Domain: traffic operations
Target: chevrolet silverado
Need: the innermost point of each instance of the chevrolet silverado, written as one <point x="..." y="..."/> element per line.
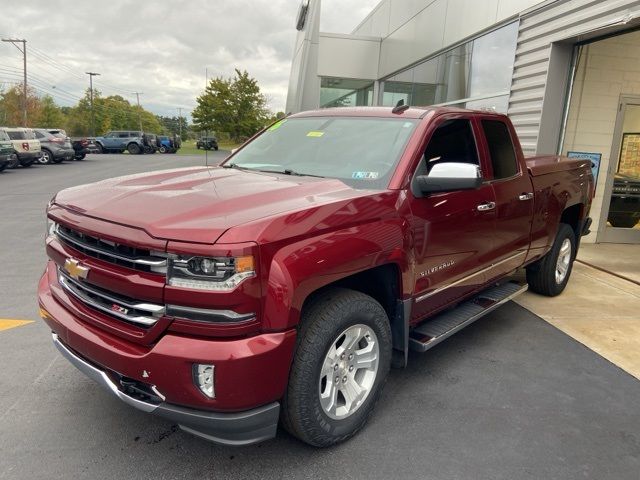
<point x="281" y="286"/>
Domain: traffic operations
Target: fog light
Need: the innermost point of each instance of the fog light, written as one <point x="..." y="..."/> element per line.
<point x="203" y="376"/>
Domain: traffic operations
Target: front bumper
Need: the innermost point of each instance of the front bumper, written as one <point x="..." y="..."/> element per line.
<point x="241" y="428"/>
<point x="251" y="372"/>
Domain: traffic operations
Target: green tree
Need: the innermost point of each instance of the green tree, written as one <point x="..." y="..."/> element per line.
<point x="11" y="107"/>
<point x="51" y="115"/>
<point x="234" y="106"/>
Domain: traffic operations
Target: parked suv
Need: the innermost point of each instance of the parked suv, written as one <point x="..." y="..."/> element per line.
<point x="56" y="147"/>
<point x="207" y="143"/>
<point x="169" y="144"/>
<point x="6" y="151"/>
<point x="25" y="146"/>
<point x="119" y="141"/>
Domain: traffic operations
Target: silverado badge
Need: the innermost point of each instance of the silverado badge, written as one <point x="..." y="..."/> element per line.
<point x="74" y="269"/>
<point x="119" y="309"/>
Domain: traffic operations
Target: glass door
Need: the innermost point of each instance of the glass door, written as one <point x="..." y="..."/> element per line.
<point x="620" y="222"/>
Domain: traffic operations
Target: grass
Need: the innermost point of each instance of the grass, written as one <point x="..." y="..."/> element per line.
<point x="189" y="147"/>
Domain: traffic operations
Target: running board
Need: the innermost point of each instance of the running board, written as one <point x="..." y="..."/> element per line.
<point x="443" y="325"/>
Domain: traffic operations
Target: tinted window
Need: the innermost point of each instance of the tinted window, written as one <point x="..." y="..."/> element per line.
<point x="123" y="135"/>
<point x="452" y="142"/>
<point x="503" y="157"/>
<point x="4" y="136"/>
<point x="17" y="135"/>
<point x="39" y="135"/>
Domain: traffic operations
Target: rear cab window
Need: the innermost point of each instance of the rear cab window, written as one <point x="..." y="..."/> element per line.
<point x="503" y="156"/>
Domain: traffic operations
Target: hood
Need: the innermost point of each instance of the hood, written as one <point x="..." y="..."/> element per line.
<point x="199" y="204"/>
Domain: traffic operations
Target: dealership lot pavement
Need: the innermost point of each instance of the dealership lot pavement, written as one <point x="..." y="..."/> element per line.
<point x="510" y="397"/>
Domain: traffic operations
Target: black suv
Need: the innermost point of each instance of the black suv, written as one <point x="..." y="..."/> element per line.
<point x="207" y="143"/>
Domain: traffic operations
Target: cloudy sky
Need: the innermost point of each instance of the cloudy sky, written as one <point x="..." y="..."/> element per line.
<point x="159" y="48"/>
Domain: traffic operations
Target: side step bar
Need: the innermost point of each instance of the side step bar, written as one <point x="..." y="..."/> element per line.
<point x="443" y="325"/>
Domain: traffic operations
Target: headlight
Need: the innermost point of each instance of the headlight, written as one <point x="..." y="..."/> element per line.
<point x="51" y="228"/>
<point x="210" y="273"/>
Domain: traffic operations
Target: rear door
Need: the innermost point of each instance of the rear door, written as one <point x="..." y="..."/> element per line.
<point x="513" y="192"/>
<point x="452" y="231"/>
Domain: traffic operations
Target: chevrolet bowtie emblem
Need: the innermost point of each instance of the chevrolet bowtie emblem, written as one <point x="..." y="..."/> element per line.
<point x="74" y="269"/>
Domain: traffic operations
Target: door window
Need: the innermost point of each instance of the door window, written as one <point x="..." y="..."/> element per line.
<point x="452" y="142"/>
<point x="503" y="156"/>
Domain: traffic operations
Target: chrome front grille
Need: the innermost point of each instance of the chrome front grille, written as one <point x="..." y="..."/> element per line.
<point x="118" y="306"/>
<point x="123" y="255"/>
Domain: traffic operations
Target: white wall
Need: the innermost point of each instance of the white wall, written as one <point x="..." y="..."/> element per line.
<point x="414" y="29"/>
<point x="348" y="56"/>
<point x="608" y="69"/>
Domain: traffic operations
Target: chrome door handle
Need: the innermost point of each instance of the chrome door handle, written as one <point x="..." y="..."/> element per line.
<point x="525" y="196"/>
<point x="483" y="207"/>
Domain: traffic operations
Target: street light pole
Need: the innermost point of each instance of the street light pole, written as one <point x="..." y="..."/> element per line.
<point x="180" y="121"/>
<point x="139" y="117"/>
<point x="93" y="119"/>
<point x="24" y="83"/>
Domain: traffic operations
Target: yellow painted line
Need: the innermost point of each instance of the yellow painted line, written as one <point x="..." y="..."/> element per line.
<point x="7" y="323"/>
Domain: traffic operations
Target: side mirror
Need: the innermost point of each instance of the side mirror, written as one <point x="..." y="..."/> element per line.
<point x="449" y="177"/>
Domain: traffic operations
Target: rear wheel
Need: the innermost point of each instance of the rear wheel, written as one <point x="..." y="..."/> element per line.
<point x="549" y="275"/>
<point x="134" y="149"/>
<point x="80" y="156"/>
<point x="163" y="149"/>
<point x="14" y="162"/>
<point x="100" y="148"/>
<point x="341" y="362"/>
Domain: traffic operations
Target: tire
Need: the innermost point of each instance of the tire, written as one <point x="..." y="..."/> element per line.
<point x="215" y="148"/>
<point x="3" y="166"/>
<point x="162" y="149"/>
<point x="15" y="162"/>
<point x="134" y="149"/>
<point x="27" y="164"/>
<point x="80" y="156"/>
<point x="549" y="275"/>
<point x="622" y="222"/>
<point x="46" y="158"/>
<point x="100" y="148"/>
<point x="198" y="147"/>
<point x="327" y="323"/>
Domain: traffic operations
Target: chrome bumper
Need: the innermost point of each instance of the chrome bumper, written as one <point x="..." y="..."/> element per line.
<point x="240" y="428"/>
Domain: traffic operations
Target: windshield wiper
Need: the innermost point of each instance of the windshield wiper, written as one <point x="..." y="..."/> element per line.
<point x="234" y="165"/>
<point x="288" y="171"/>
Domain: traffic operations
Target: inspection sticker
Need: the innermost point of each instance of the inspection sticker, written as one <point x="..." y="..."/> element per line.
<point x="364" y="175"/>
<point x="315" y="134"/>
<point x="277" y="125"/>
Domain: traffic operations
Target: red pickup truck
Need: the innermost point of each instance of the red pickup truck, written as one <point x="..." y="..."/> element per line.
<point x="283" y="284"/>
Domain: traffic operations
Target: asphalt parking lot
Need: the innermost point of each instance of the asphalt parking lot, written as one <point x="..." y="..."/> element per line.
<point x="510" y="397"/>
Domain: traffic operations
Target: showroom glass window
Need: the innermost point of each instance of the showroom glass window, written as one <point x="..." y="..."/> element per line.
<point x="345" y="92"/>
<point x="477" y="72"/>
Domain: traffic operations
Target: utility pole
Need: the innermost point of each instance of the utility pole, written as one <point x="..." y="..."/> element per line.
<point x="14" y="41"/>
<point x="139" y="117"/>
<point x="180" y="121"/>
<point x="93" y="117"/>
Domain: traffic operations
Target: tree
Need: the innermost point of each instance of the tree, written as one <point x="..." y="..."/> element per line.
<point x="50" y="114"/>
<point x="231" y="105"/>
<point x="11" y="111"/>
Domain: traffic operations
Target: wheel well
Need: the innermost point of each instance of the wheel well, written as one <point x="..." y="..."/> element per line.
<point x="571" y="216"/>
<point x="381" y="283"/>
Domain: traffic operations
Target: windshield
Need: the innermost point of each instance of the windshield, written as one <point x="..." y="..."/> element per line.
<point x="361" y="151"/>
<point x="17" y="135"/>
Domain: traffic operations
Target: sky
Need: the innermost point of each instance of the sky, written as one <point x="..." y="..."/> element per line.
<point x="161" y="49"/>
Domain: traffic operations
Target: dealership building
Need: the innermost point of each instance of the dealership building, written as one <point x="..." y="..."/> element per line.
<point x="567" y="72"/>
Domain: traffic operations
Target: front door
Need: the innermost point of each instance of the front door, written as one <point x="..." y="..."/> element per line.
<point x="620" y="220"/>
<point x="452" y="231"/>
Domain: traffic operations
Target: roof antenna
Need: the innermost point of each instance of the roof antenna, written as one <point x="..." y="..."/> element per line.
<point x="400" y="107"/>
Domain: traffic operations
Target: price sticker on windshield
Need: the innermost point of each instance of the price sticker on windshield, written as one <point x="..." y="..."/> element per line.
<point x="364" y="175"/>
<point x="277" y="125"/>
<point x="315" y="134"/>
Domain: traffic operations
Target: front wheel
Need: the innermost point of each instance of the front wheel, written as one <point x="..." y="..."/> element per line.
<point x="100" y="148"/>
<point x="134" y="149"/>
<point x="341" y="362"/>
<point x="549" y="275"/>
<point x="80" y="156"/>
<point x="163" y="149"/>
<point x="46" y="158"/>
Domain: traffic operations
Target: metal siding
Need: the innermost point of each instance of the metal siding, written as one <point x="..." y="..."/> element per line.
<point x="538" y="30"/>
